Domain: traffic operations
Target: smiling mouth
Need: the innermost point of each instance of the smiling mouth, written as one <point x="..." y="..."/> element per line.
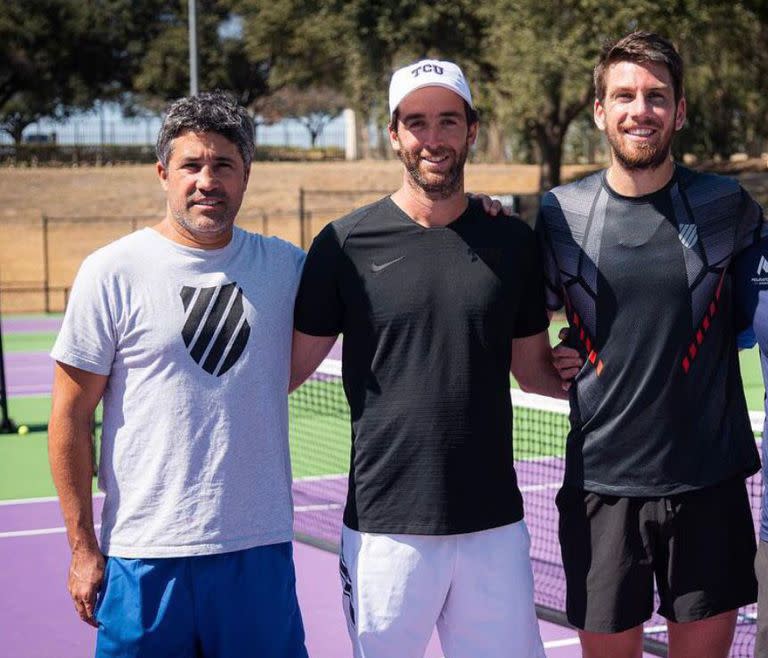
<point x="640" y="133"/>
<point x="435" y="160"/>
<point x="205" y="203"/>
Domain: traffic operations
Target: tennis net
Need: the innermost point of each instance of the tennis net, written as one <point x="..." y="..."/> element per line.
<point x="320" y="447"/>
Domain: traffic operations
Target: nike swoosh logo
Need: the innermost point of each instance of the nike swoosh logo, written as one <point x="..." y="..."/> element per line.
<point x="383" y="266"/>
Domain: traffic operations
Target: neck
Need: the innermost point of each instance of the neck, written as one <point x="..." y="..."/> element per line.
<point x="639" y="182"/>
<point x="175" y="232"/>
<point x="426" y="210"/>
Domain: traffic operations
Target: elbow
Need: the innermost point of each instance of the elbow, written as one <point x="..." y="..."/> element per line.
<point x="526" y="382"/>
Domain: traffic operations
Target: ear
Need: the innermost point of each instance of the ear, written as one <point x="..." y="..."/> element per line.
<point x="472" y="132"/>
<point x="680" y="114"/>
<point x="599" y="115"/>
<point x="247" y="174"/>
<point x="394" y="140"/>
<point x="162" y="174"/>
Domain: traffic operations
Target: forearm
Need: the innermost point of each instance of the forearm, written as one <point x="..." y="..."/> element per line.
<point x="533" y="368"/>
<point x="70" y="455"/>
<point x="307" y="353"/>
<point x="544" y="380"/>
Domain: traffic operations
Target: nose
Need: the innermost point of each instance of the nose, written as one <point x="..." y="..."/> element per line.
<point x="641" y="104"/>
<point x="433" y="137"/>
<point x="207" y="179"/>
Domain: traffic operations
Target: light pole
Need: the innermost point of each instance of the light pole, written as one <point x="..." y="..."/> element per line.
<point x="193" y="86"/>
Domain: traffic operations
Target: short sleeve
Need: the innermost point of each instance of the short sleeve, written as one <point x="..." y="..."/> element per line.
<point x="552" y="281"/>
<point x="87" y="339"/>
<point x="532" y="313"/>
<point x="319" y="308"/>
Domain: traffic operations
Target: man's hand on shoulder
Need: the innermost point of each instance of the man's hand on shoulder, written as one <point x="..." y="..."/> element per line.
<point x="86" y="573"/>
<point x="491" y="206"/>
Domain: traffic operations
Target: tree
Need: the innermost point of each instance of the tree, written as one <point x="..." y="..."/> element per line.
<point x="314" y="107"/>
<point x="161" y="72"/>
<point x="374" y="37"/>
<point x="58" y="55"/>
<point x="726" y="70"/>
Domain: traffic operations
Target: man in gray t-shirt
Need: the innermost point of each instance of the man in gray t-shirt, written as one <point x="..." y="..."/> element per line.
<point x="175" y="330"/>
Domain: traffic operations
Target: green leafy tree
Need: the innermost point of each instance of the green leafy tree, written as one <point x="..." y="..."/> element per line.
<point x="58" y="55"/>
<point x="314" y="107"/>
<point x="544" y="56"/>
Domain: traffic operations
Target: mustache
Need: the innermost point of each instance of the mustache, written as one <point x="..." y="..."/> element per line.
<point x="196" y="198"/>
<point x="649" y="123"/>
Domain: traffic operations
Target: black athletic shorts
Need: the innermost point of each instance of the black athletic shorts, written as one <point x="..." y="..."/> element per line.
<point x="700" y="546"/>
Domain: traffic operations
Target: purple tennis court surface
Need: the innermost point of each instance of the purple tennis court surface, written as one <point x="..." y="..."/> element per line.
<point x="27" y="325"/>
<point x="39" y="619"/>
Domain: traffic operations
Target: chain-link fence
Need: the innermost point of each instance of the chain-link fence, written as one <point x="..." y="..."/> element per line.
<point x="40" y="257"/>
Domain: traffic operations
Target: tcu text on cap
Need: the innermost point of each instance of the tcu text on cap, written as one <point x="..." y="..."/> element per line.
<point x="427" y="68"/>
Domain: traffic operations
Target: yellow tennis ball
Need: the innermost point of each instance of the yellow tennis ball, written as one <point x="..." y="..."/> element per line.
<point x="23" y="429"/>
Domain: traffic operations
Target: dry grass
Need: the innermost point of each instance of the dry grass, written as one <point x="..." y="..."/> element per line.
<point x="134" y="190"/>
<point x="133" y="193"/>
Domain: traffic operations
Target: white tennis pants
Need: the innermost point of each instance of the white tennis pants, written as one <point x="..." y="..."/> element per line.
<point x="476" y="587"/>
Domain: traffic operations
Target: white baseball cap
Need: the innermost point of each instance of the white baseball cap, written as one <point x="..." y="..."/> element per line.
<point x="427" y="73"/>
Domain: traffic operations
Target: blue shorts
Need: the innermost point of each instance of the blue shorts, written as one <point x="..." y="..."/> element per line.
<point x="231" y="605"/>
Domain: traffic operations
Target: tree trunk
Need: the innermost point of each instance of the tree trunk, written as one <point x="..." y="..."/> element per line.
<point x="549" y="139"/>
<point x="363" y="141"/>
<point x="384" y="150"/>
<point x="494" y="151"/>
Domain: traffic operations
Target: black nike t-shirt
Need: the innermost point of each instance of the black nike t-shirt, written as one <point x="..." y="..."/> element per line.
<point x="658" y="407"/>
<point x="428" y="317"/>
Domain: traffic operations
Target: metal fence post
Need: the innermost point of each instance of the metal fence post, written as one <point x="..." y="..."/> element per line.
<point x="46" y="266"/>
<point x="302" y="220"/>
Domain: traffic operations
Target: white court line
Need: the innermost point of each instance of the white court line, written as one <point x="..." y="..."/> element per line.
<point x="19" y="391"/>
<point x="43" y="499"/>
<point x="38" y="531"/>
<point x="317" y="508"/>
<point x="557" y="644"/>
<point x="320" y="478"/>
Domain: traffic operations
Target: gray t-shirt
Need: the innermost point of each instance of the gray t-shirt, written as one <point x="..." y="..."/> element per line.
<point x="196" y="344"/>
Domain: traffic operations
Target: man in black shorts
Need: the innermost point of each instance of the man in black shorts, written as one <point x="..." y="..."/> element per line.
<point x="660" y="442"/>
<point x="436" y="301"/>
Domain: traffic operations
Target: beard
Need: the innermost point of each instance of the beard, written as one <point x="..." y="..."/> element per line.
<point x="436" y="186"/>
<point x="635" y="157"/>
<point x="213" y="223"/>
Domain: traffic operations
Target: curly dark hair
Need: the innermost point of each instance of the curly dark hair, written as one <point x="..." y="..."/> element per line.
<point x="215" y="112"/>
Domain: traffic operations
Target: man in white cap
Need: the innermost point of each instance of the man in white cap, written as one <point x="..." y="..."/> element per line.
<point x="437" y="301"/>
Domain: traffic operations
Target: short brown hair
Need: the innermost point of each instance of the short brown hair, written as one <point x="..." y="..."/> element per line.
<point x="640" y="47"/>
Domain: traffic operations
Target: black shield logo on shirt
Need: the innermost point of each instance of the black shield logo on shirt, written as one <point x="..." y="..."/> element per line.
<point x="215" y="331"/>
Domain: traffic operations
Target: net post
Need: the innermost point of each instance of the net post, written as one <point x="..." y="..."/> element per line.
<point x="7" y="426"/>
